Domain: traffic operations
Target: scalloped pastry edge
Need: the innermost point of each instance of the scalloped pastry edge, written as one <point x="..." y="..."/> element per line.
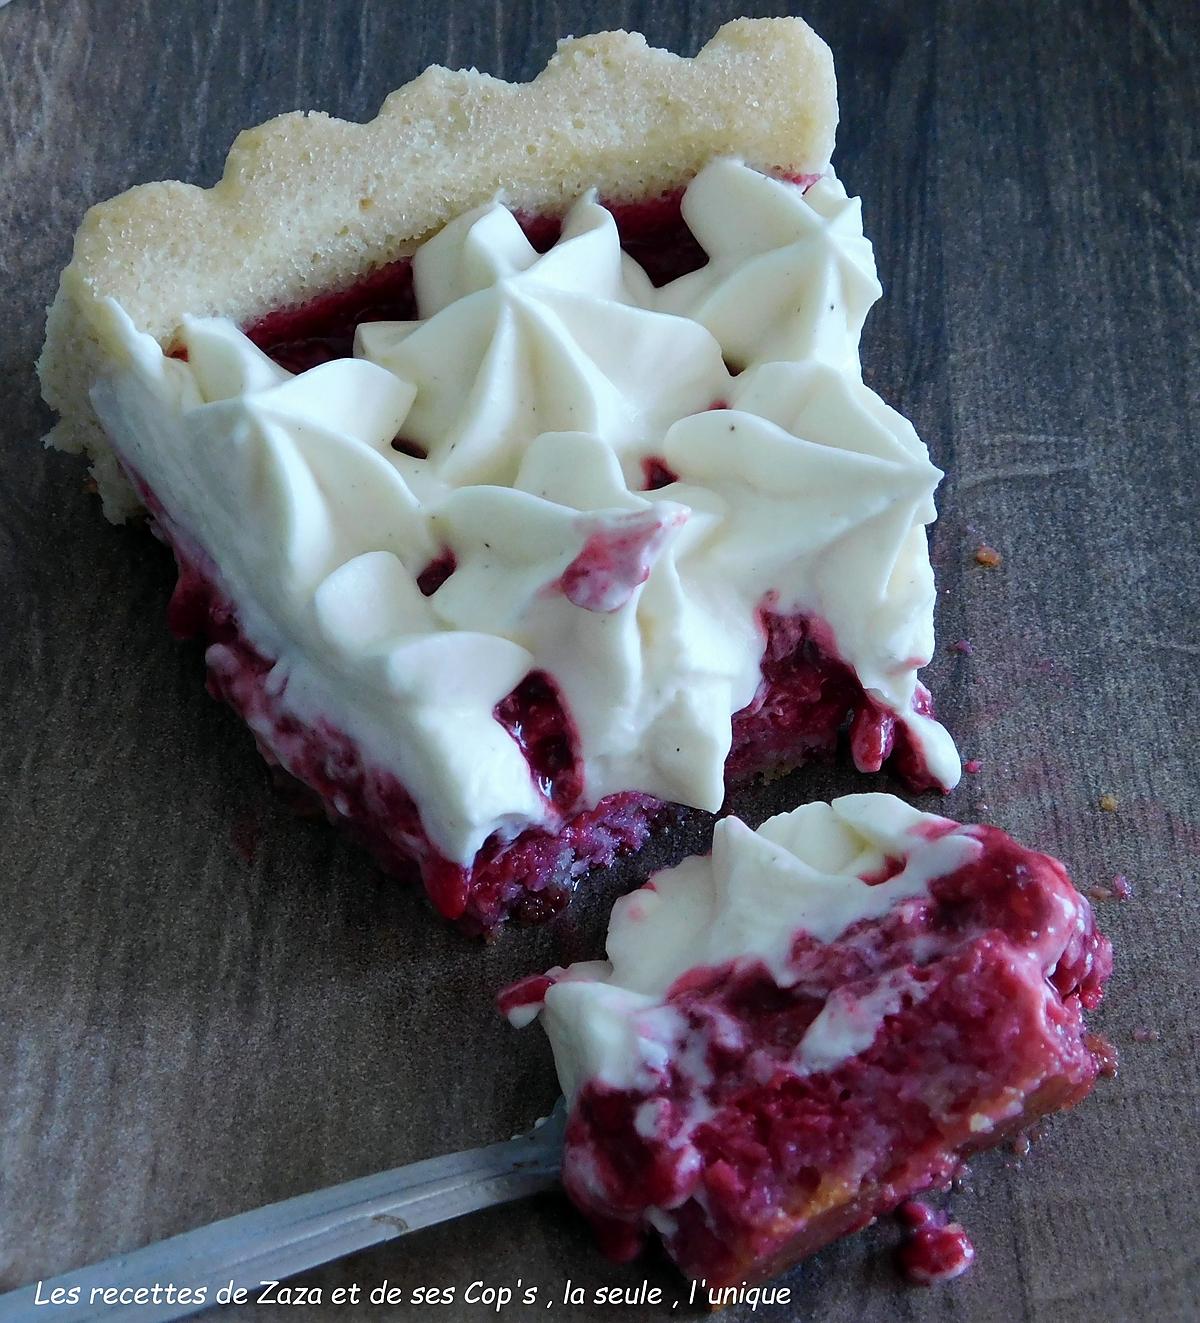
<point x="307" y="203"/>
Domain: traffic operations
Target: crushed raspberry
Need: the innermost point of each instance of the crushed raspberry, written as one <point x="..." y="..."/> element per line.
<point x="915" y="1214"/>
<point x="652" y="232"/>
<point x="526" y="880"/>
<point x="806" y="696"/>
<point x="437" y="572"/>
<point x="448" y="886"/>
<point x="533" y="714"/>
<point x="323" y="329"/>
<point x="890" y="867"/>
<point x="615" y="561"/>
<point x="655" y="235"/>
<point x="936" y="1254"/>
<point x="528" y="992"/>
<point x="760" y="1164"/>
<point x="657" y="473"/>
<point x="934" y="830"/>
<point x="872" y="734"/>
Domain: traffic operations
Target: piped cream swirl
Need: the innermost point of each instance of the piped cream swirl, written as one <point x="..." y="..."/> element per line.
<point x="611" y="1021"/>
<point x="537" y="384"/>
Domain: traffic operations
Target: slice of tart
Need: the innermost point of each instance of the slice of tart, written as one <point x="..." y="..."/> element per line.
<point x="515" y="455"/>
<point x="819" y="1020"/>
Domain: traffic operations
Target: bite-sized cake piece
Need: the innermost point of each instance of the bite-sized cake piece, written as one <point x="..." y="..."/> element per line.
<point x="819" y="1020"/>
<point x="520" y="506"/>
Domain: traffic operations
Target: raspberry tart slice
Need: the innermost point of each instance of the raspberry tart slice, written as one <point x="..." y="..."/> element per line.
<point x="804" y="1029"/>
<point x="515" y="455"/>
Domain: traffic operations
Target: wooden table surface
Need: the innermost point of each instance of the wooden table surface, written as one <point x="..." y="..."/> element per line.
<point x="210" y="1004"/>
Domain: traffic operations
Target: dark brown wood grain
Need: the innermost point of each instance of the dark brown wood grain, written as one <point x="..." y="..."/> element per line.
<point x="209" y="1004"/>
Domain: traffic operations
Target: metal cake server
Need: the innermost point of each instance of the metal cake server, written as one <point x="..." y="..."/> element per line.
<point x="280" y="1240"/>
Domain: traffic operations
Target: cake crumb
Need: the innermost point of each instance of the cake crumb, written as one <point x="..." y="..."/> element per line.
<point x="1122" y="888"/>
<point x="964" y="647"/>
<point x="987" y="556"/>
<point x="1144" y="1034"/>
<point x="972" y="766"/>
<point x="1108" y="802"/>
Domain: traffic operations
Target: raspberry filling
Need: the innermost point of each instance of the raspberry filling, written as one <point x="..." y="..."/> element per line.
<point x="527" y="879"/>
<point x="805" y="699"/>
<point x="657" y="473"/>
<point x="746" y="1162"/>
<point x="614" y="562"/>
<point x="653" y="233"/>
<point x="935" y="1249"/>
<point x="533" y="715"/>
<point x="807" y="696"/>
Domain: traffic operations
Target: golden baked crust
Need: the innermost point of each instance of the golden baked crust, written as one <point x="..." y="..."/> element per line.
<point x="307" y="203"/>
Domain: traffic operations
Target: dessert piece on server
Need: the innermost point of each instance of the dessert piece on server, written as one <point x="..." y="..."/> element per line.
<point x="517" y="461"/>
<point x="816" y="1022"/>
